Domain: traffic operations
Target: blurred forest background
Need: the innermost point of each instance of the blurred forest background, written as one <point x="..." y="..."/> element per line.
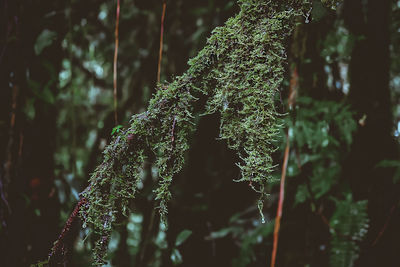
<point x="56" y="116"/>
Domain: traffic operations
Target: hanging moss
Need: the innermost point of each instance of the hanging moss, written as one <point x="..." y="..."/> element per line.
<point x="240" y="70"/>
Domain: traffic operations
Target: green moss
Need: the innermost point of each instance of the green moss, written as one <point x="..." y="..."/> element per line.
<point x="240" y="70"/>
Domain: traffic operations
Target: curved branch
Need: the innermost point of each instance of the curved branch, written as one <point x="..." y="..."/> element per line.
<point x="239" y="71"/>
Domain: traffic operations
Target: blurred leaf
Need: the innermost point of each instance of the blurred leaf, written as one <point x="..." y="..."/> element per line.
<point x="48" y="96"/>
<point x="29" y="108"/>
<point x="391" y="164"/>
<point x="388" y="163"/>
<point x="37" y="212"/>
<point x="176" y="257"/>
<point x="229" y="5"/>
<point x="182" y="236"/>
<point x="302" y="194"/>
<point x="223" y="232"/>
<point x="45" y="39"/>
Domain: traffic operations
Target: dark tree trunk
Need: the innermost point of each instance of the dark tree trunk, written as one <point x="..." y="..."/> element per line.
<point x="373" y="142"/>
<point x="32" y="223"/>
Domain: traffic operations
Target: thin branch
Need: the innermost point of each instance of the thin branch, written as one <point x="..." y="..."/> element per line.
<point x="292" y="96"/>
<point x="64" y="242"/>
<point x="115" y="63"/>
<point x="280" y="205"/>
<point x="384" y="226"/>
<point x="161" y="41"/>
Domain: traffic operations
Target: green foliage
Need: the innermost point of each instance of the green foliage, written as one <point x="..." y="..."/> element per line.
<point x="320" y="133"/>
<point x="248" y="237"/>
<point x="249" y="240"/>
<point x="240" y="69"/>
<point x="339" y="44"/>
<point x="349" y="225"/>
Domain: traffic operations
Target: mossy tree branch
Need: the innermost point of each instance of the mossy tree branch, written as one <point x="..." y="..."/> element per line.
<point x="239" y="70"/>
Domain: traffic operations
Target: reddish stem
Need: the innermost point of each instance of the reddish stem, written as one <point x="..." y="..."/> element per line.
<point x="280" y="204"/>
<point x="161" y="41"/>
<point x="64" y="242"/>
<point x="384" y="226"/>
<point x="291" y="102"/>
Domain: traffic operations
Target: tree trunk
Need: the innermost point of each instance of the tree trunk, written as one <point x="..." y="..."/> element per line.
<point x="32" y="223"/>
<point x="373" y="142"/>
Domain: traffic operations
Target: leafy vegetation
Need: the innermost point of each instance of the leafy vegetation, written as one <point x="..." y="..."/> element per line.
<point x="349" y="225"/>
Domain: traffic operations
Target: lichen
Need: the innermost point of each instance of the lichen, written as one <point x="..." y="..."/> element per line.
<point x="240" y="69"/>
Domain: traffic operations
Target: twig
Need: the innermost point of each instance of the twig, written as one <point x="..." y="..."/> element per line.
<point x="10" y="145"/>
<point x="280" y="205"/>
<point x="64" y="242"/>
<point x="161" y="41"/>
<point x="173" y="130"/>
<point x="384" y="226"/>
<point x="8" y="165"/>
<point x="292" y="95"/>
<point x="115" y="63"/>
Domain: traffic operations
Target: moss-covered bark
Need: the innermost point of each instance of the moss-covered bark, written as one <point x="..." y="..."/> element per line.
<point x="239" y="70"/>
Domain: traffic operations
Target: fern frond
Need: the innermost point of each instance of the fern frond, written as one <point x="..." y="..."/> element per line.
<point x="350" y="225"/>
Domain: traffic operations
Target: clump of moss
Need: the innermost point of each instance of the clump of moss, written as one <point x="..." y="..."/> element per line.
<point x="240" y="70"/>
